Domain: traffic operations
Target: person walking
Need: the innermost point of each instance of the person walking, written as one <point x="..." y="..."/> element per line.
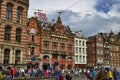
<point x="8" y="75"/>
<point x="115" y="74"/>
<point x="101" y="75"/>
<point x="110" y="74"/>
<point x="61" y="77"/>
<point x="92" y="74"/>
<point x="88" y="74"/>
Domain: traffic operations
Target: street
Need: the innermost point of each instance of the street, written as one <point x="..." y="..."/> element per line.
<point x="81" y="77"/>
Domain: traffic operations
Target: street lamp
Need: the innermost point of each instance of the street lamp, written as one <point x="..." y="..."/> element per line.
<point x="32" y="34"/>
<point x="31" y="48"/>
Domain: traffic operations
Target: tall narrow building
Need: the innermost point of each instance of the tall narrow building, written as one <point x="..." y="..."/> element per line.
<point x="13" y="34"/>
<point x="95" y="51"/>
<point x="80" y="52"/>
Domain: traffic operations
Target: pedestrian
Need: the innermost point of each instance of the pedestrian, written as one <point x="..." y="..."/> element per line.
<point x="115" y="74"/>
<point x="61" y="77"/>
<point x="67" y="76"/>
<point x="101" y="75"/>
<point x="91" y="74"/>
<point x="110" y="74"/>
<point x="14" y="71"/>
<point x="8" y="75"/>
<point x="47" y="73"/>
<point x="88" y="74"/>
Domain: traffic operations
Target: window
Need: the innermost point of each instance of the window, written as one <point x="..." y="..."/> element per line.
<point x="69" y="48"/>
<point x="76" y="58"/>
<point x="62" y="47"/>
<point x="83" y="50"/>
<point x="7" y="33"/>
<point x="19" y="14"/>
<point x="84" y="59"/>
<point x="54" y="45"/>
<point x="32" y="38"/>
<point x="80" y="59"/>
<point x="99" y="51"/>
<point x="83" y="43"/>
<point x="79" y="50"/>
<point x="76" y="42"/>
<point x="46" y="45"/>
<point x="9" y="11"/>
<point x="17" y="57"/>
<point x="76" y="50"/>
<point x="79" y="43"/>
<point x="6" y="56"/>
<point x="32" y="51"/>
<point x="18" y="35"/>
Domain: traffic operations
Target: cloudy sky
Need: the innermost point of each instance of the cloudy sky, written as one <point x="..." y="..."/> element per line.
<point x="89" y="16"/>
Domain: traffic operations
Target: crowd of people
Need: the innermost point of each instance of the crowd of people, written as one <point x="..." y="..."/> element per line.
<point x="103" y="74"/>
<point x="9" y="73"/>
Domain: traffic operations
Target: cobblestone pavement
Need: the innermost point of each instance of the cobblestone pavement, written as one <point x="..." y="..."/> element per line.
<point x="81" y="77"/>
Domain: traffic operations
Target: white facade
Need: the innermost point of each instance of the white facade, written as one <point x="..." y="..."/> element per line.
<point x="80" y="49"/>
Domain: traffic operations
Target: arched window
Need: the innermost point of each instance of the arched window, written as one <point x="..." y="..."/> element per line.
<point x="19" y="14"/>
<point x="6" y="56"/>
<point x="9" y="11"/>
<point x="18" y="35"/>
<point x="7" y="33"/>
<point x="17" y="56"/>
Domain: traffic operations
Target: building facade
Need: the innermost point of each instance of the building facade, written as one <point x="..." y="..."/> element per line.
<point x="95" y="51"/>
<point x="103" y="50"/>
<point x="13" y="35"/>
<point x="80" y="51"/>
<point x="53" y="43"/>
<point x="114" y="49"/>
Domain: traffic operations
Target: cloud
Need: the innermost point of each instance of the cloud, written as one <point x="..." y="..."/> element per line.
<point x="91" y="17"/>
<point x="104" y="5"/>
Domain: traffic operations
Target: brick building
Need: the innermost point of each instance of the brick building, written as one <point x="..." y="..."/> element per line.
<point x="95" y="51"/>
<point x="13" y="35"/>
<point x="53" y="43"/>
<point x="103" y="50"/>
<point x="114" y="49"/>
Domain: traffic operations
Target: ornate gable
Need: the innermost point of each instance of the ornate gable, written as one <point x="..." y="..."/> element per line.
<point x="32" y="25"/>
<point x="59" y="28"/>
<point x="111" y="36"/>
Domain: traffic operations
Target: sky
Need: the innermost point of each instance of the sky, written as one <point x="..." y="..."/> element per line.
<point x="89" y="16"/>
